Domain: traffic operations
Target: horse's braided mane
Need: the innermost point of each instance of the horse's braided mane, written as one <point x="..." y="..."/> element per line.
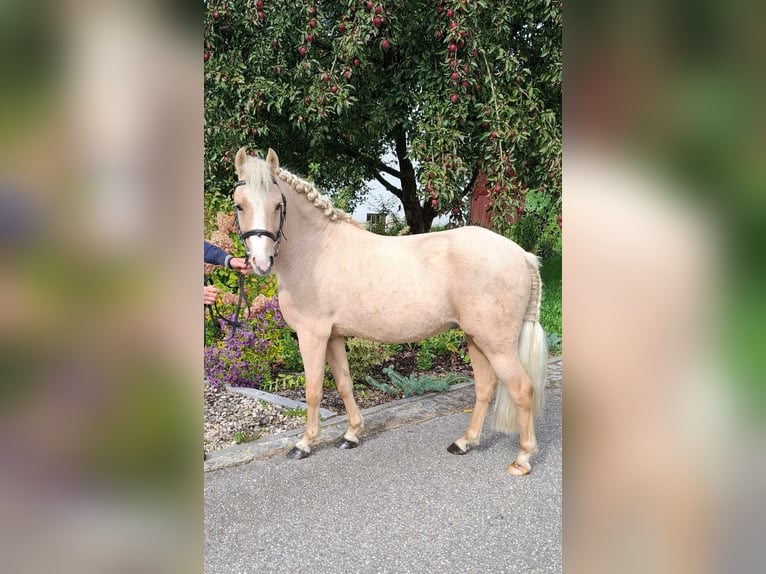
<point x="312" y="194"/>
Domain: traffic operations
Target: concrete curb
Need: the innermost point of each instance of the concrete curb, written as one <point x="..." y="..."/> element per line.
<point x="278" y="400"/>
<point x="376" y="419"/>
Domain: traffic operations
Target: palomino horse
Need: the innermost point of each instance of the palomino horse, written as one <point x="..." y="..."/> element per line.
<point x="336" y="280"/>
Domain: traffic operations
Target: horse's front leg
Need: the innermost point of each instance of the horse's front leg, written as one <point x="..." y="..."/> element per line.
<point x="313" y="349"/>
<point x="336" y="356"/>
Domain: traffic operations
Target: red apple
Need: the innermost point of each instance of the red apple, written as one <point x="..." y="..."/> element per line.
<point x="312" y="23"/>
<point x="302" y="50"/>
<point x="455" y="76"/>
<point x="376" y="22"/>
<point x="334" y="89"/>
<point x="454" y="98"/>
<point x="385" y="44"/>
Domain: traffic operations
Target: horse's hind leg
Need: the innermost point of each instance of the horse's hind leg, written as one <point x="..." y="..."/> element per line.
<point x="313" y="352"/>
<point x="486" y="380"/>
<point x="517" y="383"/>
<point x="336" y="356"/>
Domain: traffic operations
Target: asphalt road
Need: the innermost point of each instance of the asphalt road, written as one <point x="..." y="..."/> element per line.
<point x="400" y="503"/>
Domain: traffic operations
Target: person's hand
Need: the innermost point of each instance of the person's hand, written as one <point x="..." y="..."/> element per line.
<point x="210" y="295"/>
<point x="239" y="264"/>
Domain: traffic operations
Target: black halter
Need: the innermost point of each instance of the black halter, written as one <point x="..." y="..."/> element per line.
<point x="276" y="238"/>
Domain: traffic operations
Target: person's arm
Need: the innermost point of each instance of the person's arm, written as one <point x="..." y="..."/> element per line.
<point x="215" y="255"/>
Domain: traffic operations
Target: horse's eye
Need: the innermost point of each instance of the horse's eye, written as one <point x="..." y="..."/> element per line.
<point x="238" y="206"/>
<point x="274" y="181"/>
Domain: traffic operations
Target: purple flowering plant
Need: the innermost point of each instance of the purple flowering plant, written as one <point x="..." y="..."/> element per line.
<point x="254" y="352"/>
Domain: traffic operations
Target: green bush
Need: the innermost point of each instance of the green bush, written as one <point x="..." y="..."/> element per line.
<point x="364" y="355"/>
<point x="441" y="345"/>
<point x="414" y="384"/>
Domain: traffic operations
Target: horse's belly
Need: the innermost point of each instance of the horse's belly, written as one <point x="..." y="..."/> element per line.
<point x="396" y="326"/>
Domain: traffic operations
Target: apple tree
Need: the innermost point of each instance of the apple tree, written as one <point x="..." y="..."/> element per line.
<point x="424" y="97"/>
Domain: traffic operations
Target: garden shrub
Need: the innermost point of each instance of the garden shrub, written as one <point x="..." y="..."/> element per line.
<point x="414" y="384"/>
<point x="248" y="355"/>
<point x="364" y="355"/>
<point x="441" y="345"/>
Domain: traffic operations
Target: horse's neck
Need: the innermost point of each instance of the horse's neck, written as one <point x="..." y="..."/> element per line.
<point x="306" y="231"/>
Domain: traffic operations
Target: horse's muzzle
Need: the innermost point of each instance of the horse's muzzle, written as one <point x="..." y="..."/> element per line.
<point x="259" y="269"/>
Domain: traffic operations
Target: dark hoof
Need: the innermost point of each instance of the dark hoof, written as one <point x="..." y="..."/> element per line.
<point x="297" y="454"/>
<point x="455" y="449"/>
<point x="345" y="443"/>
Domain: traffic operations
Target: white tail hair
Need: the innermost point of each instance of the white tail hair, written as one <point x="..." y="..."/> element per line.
<point x="533" y="354"/>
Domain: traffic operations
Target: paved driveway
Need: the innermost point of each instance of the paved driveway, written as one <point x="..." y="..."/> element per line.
<point x="399" y="503"/>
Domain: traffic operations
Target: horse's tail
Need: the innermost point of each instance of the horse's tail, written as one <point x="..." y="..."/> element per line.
<point x="533" y="353"/>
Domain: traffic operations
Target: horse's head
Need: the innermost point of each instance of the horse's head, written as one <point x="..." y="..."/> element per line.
<point x="261" y="208"/>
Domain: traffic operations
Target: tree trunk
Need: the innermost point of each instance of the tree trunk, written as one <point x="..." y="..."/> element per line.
<point x="418" y="217"/>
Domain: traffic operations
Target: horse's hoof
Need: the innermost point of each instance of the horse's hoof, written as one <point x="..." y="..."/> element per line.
<point x="455" y="449"/>
<point x="297" y="454"/>
<point x="344" y="443"/>
<point x="517" y="469"/>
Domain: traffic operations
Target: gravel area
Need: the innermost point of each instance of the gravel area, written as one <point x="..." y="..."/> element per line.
<point x="228" y="414"/>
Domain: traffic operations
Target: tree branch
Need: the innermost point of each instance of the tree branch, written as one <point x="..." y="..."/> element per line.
<point x="375" y="164"/>
<point x="389" y="186"/>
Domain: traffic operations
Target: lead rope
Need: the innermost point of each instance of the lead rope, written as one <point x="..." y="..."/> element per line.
<point x="215" y="314"/>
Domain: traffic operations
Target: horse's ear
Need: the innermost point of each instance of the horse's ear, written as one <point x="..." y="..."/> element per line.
<point x="272" y="160"/>
<point x="240" y="158"/>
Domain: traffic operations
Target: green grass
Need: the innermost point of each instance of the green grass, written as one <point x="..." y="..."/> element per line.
<point x="550" y="308"/>
<point x="242" y="437"/>
<point x="296" y="411"/>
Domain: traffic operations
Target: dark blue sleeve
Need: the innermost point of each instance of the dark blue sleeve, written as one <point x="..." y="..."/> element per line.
<point x="214" y="254"/>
